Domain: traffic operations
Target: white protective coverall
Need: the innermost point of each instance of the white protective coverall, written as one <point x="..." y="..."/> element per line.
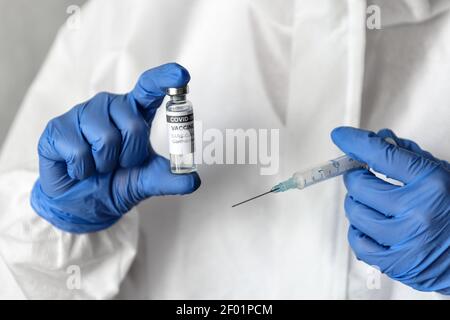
<point x="303" y="67"/>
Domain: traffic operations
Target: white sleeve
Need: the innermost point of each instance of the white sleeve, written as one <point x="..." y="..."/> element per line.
<point x="46" y="263"/>
<point x="37" y="260"/>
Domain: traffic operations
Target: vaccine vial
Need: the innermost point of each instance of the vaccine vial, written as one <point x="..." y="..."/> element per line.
<point x="180" y="122"/>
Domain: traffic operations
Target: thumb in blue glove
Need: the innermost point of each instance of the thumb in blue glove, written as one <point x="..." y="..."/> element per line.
<point x="96" y="161"/>
<point x="403" y="230"/>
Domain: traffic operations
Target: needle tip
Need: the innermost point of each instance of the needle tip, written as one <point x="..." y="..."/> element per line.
<point x="260" y="195"/>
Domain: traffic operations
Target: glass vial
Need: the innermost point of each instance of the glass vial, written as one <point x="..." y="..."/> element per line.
<point x="180" y="122"/>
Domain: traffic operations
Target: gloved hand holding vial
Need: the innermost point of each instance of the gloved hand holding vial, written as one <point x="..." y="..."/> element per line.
<point x="96" y="161"/>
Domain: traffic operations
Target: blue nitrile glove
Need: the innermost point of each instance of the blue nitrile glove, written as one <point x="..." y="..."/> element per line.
<point x="403" y="230"/>
<point x="96" y="162"/>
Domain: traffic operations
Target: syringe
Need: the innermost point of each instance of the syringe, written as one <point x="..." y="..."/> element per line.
<point x="303" y="179"/>
<point x="327" y="170"/>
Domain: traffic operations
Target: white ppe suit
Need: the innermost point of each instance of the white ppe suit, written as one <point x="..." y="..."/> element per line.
<point x="303" y="67"/>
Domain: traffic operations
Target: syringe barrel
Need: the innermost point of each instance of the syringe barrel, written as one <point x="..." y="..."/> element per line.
<point x="327" y="170"/>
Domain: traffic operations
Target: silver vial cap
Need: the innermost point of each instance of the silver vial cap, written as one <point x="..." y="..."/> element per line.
<point x="177" y="91"/>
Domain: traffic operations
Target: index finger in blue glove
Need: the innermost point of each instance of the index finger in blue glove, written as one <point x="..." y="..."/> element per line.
<point x="151" y="87"/>
<point x="383" y="157"/>
<point x="410" y="145"/>
<point x="405" y="143"/>
<point x="134" y="112"/>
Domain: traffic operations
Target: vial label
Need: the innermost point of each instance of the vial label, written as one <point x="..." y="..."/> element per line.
<point x="181" y="132"/>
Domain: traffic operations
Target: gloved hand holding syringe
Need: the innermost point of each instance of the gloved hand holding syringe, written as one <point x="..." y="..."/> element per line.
<point x="309" y="177"/>
<point x="398" y="213"/>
